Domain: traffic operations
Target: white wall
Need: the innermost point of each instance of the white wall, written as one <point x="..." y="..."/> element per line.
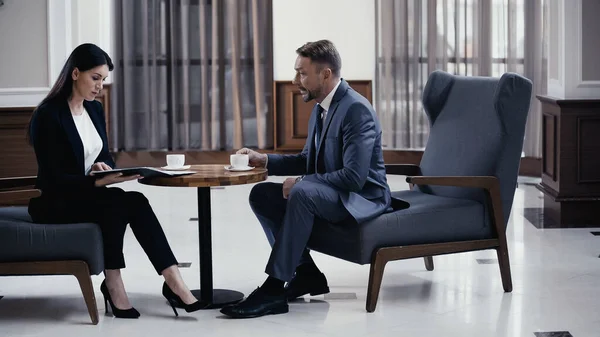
<point x="349" y="24"/>
<point x="24" y="61"/>
<point x="569" y="54"/>
<point x="92" y="23"/>
<point x="35" y="42"/>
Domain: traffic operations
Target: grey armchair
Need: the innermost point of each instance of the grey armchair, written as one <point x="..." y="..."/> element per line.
<point x="463" y="188"/>
<point x="28" y="248"/>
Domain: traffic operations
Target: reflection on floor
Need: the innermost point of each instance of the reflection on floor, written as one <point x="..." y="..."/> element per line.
<point x="556" y="278"/>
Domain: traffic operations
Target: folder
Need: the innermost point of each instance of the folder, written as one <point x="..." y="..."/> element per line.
<point x="145" y="172"/>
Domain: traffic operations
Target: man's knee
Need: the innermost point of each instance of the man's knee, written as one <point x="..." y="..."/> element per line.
<point x="256" y="194"/>
<point x="302" y="193"/>
<point x="262" y="192"/>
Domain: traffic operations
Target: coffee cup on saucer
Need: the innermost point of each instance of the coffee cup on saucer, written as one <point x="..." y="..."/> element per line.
<point x="239" y="161"/>
<point x="175" y="161"/>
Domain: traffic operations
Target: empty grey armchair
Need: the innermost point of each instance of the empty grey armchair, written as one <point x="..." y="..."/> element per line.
<point x="463" y="188"/>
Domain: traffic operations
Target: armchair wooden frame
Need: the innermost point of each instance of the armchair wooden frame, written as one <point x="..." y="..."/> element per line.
<point x="491" y="187"/>
<point x="17" y="192"/>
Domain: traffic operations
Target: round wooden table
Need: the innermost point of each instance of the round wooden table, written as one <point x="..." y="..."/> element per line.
<point x="205" y="177"/>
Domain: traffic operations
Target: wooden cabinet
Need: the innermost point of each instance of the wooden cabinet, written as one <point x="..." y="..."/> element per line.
<point x="291" y="113"/>
<point x="570" y="162"/>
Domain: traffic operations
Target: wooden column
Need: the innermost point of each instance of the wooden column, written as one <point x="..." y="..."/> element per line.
<point x="570" y="162"/>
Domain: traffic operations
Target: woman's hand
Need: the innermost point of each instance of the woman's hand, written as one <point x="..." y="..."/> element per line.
<point x="114" y="179"/>
<point x="100" y="166"/>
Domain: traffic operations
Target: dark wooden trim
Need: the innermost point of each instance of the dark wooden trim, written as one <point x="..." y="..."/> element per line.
<point x="16" y="182"/>
<point x="79" y="269"/>
<point x="384" y="255"/>
<point x="18" y="198"/>
<point x="530" y="167"/>
<point x="562" y="102"/>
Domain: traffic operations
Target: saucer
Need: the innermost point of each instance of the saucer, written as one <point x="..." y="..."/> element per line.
<point x="238" y="169"/>
<point x="180" y="168"/>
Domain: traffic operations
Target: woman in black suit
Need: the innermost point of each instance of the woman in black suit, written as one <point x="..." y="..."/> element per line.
<point x="68" y="133"/>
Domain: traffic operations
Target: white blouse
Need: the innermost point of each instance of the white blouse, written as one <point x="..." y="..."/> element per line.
<point x="92" y="143"/>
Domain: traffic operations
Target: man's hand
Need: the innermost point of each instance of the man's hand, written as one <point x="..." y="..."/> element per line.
<point x="114" y="178"/>
<point x="100" y="166"/>
<point x="287" y="186"/>
<point x="254" y="158"/>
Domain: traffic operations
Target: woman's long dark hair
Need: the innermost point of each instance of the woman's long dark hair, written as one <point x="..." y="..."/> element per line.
<point x="85" y="57"/>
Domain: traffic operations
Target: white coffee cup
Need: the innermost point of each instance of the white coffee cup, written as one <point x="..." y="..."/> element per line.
<point x="239" y="160"/>
<point x="175" y="160"/>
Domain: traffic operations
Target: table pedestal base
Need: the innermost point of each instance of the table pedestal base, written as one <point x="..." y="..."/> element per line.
<point x="220" y="298"/>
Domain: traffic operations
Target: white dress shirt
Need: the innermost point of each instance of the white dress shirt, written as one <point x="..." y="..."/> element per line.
<point x="325" y="104"/>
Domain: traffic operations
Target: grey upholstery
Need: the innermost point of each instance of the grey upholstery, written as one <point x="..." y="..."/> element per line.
<point x="428" y="218"/>
<point x="477" y="127"/>
<point x="24" y="241"/>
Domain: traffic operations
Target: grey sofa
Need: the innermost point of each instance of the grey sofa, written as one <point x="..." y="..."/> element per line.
<point x="463" y="188"/>
<point x="27" y="248"/>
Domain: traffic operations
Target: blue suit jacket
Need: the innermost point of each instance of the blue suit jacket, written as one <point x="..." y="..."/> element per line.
<point x="59" y="150"/>
<point x="350" y="148"/>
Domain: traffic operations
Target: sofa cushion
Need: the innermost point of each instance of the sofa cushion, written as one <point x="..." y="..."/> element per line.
<point x="429" y="219"/>
<point x="21" y="240"/>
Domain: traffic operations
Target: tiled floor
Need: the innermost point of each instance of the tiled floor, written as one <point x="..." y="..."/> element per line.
<point x="556" y="278"/>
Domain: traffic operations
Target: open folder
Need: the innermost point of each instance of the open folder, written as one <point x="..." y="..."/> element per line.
<point x="145" y="172"/>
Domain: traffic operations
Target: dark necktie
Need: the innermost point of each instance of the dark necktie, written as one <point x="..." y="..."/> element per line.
<point x="318" y="132"/>
<point x="319" y="125"/>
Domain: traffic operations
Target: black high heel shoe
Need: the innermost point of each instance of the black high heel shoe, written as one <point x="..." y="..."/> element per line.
<point x="175" y="300"/>
<point x="119" y="313"/>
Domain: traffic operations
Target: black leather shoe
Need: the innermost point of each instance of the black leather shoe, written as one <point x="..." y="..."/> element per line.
<point x="257" y="304"/>
<point x="303" y="284"/>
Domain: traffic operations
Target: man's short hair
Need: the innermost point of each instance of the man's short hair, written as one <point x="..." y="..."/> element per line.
<point x="322" y="52"/>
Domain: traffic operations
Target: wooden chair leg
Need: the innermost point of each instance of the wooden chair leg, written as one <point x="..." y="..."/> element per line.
<point x="79" y="269"/>
<point x="428" y="262"/>
<point x="504" y="263"/>
<point x="375" y="278"/>
<point x="82" y="274"/>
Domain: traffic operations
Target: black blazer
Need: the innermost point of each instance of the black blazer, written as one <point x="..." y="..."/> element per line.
<point x="59" y="150"/>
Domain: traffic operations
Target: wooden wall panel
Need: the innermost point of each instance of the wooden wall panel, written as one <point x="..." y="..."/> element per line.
<point x="17" y="156"/>
<point x="291" y="113"/>
<point x="549" y="145"/>
<point x="588" y="150"/>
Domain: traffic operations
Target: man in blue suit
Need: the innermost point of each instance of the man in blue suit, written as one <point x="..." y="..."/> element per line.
<point x="342" y="180"/>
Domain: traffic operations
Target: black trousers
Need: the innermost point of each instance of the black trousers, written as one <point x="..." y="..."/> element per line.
<point x="112" y="209"/>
